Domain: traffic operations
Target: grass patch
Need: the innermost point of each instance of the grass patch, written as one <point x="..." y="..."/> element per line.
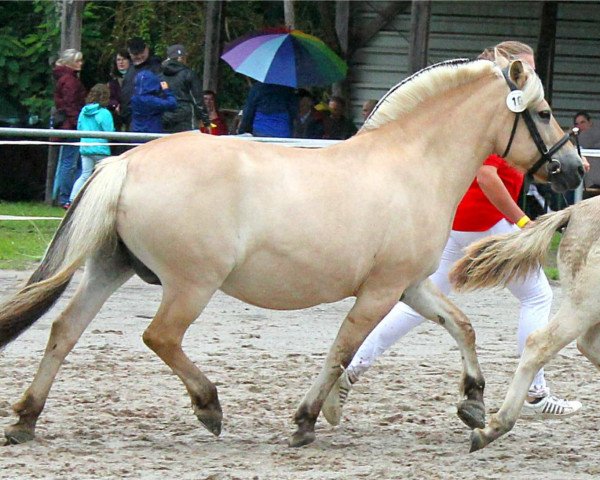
<point x="550" y="267"/>
<point x="23" y="242"/>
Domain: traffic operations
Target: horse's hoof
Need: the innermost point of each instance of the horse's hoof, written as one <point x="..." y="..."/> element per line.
<point x="211" y="418"/>
<point x="478" y="440"/>
<point x="15" y="435"/>
<point x="472" y="413"/>
<point x="299" y="439"/>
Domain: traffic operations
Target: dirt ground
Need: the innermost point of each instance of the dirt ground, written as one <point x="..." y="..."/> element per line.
<point x="116" y="411"/>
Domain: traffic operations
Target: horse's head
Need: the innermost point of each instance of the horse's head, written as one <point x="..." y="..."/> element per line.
<point x="536" y="142"/>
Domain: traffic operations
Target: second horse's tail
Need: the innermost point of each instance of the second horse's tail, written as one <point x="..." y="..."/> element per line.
<point x="89" y="224"/>
<point x="496" y="260"/>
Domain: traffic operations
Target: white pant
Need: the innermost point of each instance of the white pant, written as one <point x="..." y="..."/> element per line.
<point x="533" y="292"/>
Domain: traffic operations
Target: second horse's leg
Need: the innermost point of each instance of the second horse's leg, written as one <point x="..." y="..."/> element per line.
<point x="540" y="347"/>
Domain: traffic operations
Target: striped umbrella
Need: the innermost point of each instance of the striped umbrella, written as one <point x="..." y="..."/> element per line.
<point x="285" y="57"/>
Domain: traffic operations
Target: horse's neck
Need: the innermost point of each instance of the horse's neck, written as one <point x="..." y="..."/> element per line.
<point x="455" y="133"/>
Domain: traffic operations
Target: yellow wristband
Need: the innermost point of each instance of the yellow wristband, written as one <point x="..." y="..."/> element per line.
<point x="524" y="220"/>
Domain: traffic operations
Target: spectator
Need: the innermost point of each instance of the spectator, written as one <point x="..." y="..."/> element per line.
<point x="338" y="126"/>
<point x="269" y="111"/>
<point x="589" y="133"/>
<point x="187" y="88"/>
<point x="582" y="120"/>
<point x="93" y="117"/>
<point x="69" y="99"/>
<point x="150" y="100"/>
<point x="308" y="122"/>
<point x="120" y="66"/>
<point x="368" y="107"/>
<point x="216" y="123"/>
<point x="142" y="60"/>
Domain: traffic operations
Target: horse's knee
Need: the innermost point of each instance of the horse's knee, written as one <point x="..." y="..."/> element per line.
<point x="156" y="342"/>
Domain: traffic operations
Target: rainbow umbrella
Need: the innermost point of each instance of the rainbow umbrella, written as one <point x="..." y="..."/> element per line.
<point x="285" y="57"/>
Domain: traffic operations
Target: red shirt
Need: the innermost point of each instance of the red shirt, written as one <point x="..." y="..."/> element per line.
<point x="219" y="127"/>
<point x="475" y="212"/>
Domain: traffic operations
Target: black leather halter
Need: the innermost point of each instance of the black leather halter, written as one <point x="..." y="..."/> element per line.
<point x="554" y="166"/>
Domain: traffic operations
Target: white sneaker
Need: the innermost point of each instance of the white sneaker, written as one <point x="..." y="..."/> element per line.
<point x="551" y="406"/>
<point x="334" y="403"/>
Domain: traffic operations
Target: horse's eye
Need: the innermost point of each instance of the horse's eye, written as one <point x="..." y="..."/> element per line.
<point x="545" y="114"/>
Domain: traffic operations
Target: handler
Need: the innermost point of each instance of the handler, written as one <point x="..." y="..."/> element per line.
<point x="488" y="208"/>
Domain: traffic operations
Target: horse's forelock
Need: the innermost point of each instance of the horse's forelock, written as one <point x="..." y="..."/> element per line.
<point x="533" y="90"/>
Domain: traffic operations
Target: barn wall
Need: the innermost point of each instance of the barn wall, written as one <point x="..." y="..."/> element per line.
<point x="463" y="29"/>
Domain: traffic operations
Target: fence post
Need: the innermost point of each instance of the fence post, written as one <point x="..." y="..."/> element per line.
<point x="50" y="170"/>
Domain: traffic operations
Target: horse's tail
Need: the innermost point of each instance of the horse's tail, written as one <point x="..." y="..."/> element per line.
<point x="496" y="260"/>
<point x="89" y="224"/>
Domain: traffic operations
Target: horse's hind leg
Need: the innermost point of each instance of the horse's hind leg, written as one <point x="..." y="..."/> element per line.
<point x="103" y="275"/>
<point x="541" y="345"/>
<point x="432" y="304"/>
<point x="180" y="306"/>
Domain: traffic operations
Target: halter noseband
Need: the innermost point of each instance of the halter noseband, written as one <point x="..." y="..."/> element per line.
<point x="546" y="153"/>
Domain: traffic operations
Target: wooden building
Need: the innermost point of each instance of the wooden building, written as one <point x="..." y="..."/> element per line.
<point x="565" y="35"/>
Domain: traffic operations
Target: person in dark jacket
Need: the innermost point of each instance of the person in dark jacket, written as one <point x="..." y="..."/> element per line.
<point x="150" y="100"/>
<point x="309" y="121"/>
<point x="141" y="60"/>
<point x="120" y="66"/>
<point x="338" y="126"/>
<point x="187" y="88"/>
<point x="69" y="99"/>
<point x="270" y="111"/>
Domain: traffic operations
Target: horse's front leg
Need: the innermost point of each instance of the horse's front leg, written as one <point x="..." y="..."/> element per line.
<point x="541" y="345"/>
<point x="432" y="304"/>
<point x="367" y="312"/>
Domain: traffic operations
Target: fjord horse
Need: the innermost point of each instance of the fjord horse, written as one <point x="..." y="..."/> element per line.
<point x="286" y="228"/>
<point x="495" y="260"/>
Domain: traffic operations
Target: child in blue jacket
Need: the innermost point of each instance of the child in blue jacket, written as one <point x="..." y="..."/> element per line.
<point x="150" y="99"/>
<point x="94" y="116"/>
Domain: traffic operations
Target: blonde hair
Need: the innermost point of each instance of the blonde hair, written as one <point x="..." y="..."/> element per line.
<point x="69" y="57"/>
<point x="509" y="49"/>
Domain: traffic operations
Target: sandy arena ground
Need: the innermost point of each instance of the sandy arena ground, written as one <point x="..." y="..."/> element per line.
<point x="116" y="411"/>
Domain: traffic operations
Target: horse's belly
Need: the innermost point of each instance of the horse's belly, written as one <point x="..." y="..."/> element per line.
<point x="286" y="288"/>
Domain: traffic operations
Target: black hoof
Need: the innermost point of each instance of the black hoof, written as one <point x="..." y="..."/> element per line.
<point x="472" y="413"/>
<point x="211" y="418"/>
<point x="477" y="440"/>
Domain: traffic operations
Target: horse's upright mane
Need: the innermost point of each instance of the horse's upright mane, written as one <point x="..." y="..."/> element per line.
<point x="435" y="79"/>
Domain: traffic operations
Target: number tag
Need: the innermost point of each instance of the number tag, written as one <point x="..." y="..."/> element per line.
<point x="514" y="101"/>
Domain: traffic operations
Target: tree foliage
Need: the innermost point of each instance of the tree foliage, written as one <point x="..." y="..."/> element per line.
<point x="27" y="50"/>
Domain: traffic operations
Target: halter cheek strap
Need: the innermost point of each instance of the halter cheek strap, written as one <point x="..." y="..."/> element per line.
<point x="554" y="166"/>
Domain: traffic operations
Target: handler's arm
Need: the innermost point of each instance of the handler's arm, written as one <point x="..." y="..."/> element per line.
<point x="493" y="188"/>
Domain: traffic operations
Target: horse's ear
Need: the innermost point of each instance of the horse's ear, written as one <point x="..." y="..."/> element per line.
<point x="517" y="73"/>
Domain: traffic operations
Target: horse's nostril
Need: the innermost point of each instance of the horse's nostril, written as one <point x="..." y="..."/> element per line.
<point x="580" y="170"/>
<point x="554" y="167"/>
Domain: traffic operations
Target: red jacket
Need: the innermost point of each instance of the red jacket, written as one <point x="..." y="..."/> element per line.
<point x="69" y="95"/>
<point x="475" y="212"/>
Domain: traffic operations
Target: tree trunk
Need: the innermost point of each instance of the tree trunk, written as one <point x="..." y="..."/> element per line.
<point x="288" y="12"/>
<point x="70" y="24"/>
<point x="212" y="45"/>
